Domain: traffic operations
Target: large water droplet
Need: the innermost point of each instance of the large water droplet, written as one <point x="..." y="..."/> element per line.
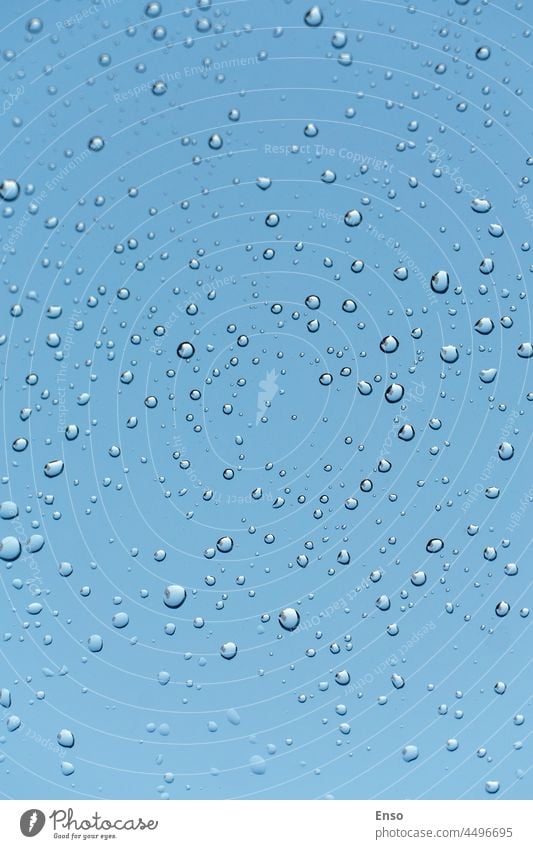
<point x="353" y="218"/>
<point x="487" y="375"/>
<point x="389" y="344"/>
<point x="342" y="677"/>
<point x="289" y="618"/>
<point x="185" y="350"/>
<point x="440" y="282"/>
<point x="410" y="753"/>
<point x="525" y="350"/>
<point x="95" y="643"/>
<point x="65" y="738"/>
<point x="502" y="608"/>
<point x="96" y="144"/>
<point x="13" y="722"/>
<point x="215" y="142"/>
<point x="449" y="354"/>
<point x="174" y="595"/>
<point x="9" y="190"/>
<point x="228" y="650"/>
<point x="54" y="468"/>
<point x="225" y="544"/>
<point x="505" y="451"/>
<point x="484" y="325"/>
<point x="10" y="548"/>
<point x="481" y="205"/>
<point x="394" y="393"/>
<point x="313" y="17"/>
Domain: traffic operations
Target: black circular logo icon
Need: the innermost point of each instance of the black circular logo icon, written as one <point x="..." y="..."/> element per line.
<point x="32" y="822"/>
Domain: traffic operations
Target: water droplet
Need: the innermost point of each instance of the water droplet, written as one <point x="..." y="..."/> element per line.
<point x="389" y="344"/>
<point x="364" y="387"/>
<point x="8" y="510"/>
<point x="152" y="10"/>
<point x="483" y="53"/>
<point x="401" y="273"/>
<point x="440" y="282"/>
<point x="289" y="618"/>
<point x="338" y="39"/>
<point x="233" y="716"/>
<point x="9" y="190"/>
<point x="394" y="393"/>
<point x="67" y="768"/>
<point x="353" y="218"/>
<point x="96" y="143"/>
<point x="418" y="578"/>
<point x="449" y="354"/>
<point x="185" y="350"/>
<point x="312" y="302"/>
<point x="225" y="544"/>
<point x="487" y="375"/>
<point x="54" y="468"/>
<point x="65" y="738"/>
<point x="410" y="753"/>
<point x="484" y="325"/>
<point x="525" y="350"/>
<point x="215" y="142"/>
<point x="10" y="549"/>
<point x="481" y="205"/>
<point x="313" y="17"/>
<point x="505" y="451"/>
<point x="342" y="677"/>
<point x="13" y="722"/>
<point x="228" y="650"/>
<point x="120" y="620"/>
<point x="174" y="595"/>
<point x="257" y="765"/>
<point x="72" y="432"/>
<point x="406" y="432"/>
<point x="5" y="697"/>
<point x="95" y="643"/>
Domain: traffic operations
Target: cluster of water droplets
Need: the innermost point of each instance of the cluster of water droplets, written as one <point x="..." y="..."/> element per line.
<point x="266" y="348"/>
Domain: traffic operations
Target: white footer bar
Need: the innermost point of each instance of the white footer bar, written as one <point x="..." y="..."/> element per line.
<point x="263" y="824"/>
